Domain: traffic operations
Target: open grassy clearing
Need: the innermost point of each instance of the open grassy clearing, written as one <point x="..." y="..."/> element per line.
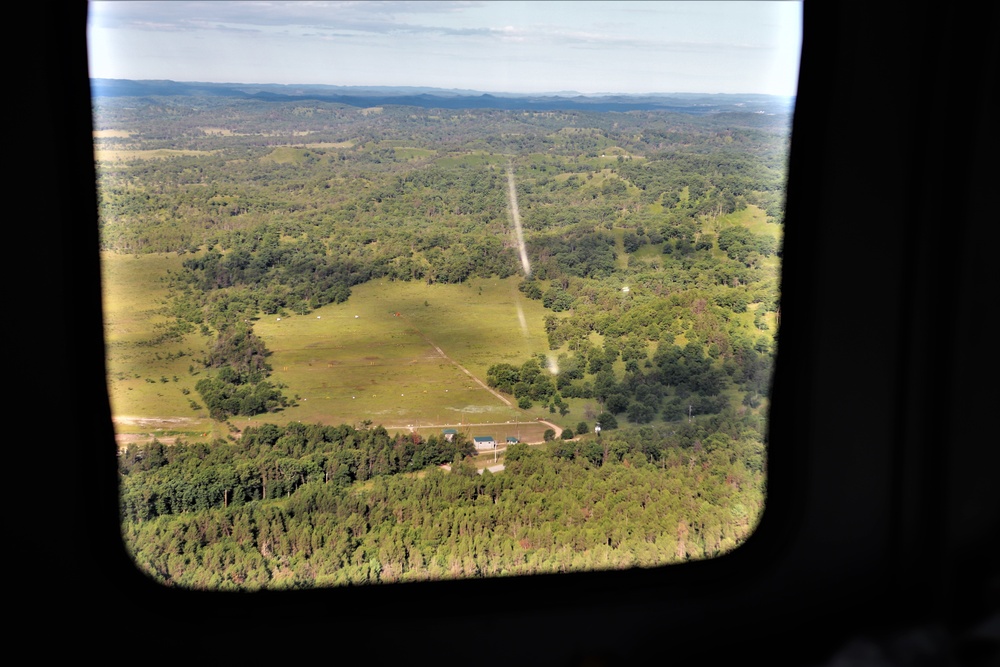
<point x="472" y="159"/>
<point x="621" y="257"/>
<point x="754" y="219"/>
<point x="360" y="361"/>
<point x="134" y="293"/>
<point x="614" y="152"/>
<point x="329" y="144"/>
<point x="346" y="363"/>
<point x="648" y="255"/>
<point x="113" y="134"/>
<point x="147" y="380"/>
<point x="123" y="155"/>
<point x="396" y="375"/>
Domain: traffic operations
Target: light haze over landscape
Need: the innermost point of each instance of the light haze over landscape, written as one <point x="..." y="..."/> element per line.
<point x="517" y="47"/>
<point x="334" y="346"/>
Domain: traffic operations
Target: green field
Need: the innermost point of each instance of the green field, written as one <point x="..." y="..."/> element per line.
<point x="148" y="375"/>
<point x="377" y="357"/>
<point x="374" y="357"/>
<point x="124" y="154"/>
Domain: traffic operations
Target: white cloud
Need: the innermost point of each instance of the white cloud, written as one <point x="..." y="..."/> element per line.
<point x="530" y="46"/>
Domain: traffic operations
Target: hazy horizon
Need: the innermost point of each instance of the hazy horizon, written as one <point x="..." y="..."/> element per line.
<point x="585" y="48"/>
<point x="457" y="91"/>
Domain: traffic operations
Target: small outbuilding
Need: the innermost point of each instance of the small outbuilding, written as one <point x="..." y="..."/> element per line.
<point x="484" y="442"/>
<point x="449" y="434"/>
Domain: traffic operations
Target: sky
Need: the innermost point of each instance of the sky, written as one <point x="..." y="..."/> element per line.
<point x="587" y="47"/>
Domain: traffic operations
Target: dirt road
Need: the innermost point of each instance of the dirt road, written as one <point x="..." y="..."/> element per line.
<point x="515" y="213"/>
<point x="459" y="366"/>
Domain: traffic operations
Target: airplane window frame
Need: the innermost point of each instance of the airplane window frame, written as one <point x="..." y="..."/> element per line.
<point x="833" y="462"/>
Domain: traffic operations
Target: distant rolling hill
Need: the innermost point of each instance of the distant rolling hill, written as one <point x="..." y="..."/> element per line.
<point x="438" y="98"/>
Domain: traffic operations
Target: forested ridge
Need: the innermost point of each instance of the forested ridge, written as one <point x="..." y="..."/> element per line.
<point x="653" y="240"/>
<point x="338" y="511"/>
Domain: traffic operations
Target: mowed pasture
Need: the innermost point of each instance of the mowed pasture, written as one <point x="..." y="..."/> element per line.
<point x="103" y="154"/>
<point x="396" y="354"/>
<point x="147" y="377"/>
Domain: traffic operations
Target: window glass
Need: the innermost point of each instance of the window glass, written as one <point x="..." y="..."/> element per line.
<point x="431" y="290"/>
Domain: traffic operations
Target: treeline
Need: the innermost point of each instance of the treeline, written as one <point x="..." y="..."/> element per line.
<point x="271" y="277"/>
<point x="642" y="497"/>
<point x="268" y="462"/>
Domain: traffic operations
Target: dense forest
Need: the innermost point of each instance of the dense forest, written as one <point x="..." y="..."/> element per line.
<point x="653" y="239"/>
<point x="306" y="506"/>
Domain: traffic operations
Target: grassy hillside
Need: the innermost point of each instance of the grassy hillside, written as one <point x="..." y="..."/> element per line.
<point x="151" y="374"/>
<point x="374" y="357"/>
<point x="370" y="358"/>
